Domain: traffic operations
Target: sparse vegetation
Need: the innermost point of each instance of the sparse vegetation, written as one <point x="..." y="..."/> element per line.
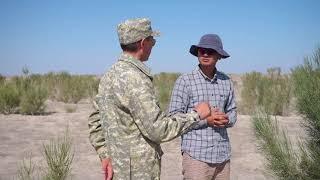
<point x="26" y="170"/>
<point x="70" y="108"/>
<point x="27" y="94"/>
<point x="2" y="79"/>
<point x="33" y="100"/>
<point x="271" y="92"/>
<point x="282" y="160"/>
<point x="71" y="88"/>
<point x="58" y="155"/>
<point x="9" y="98"/>
<point x="164" y="83"/>
<point x="306" y="80"/>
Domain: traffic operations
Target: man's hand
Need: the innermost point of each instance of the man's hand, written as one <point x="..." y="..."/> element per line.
<point x="203" y="109"/>
<point x="217" y="119"/>
<point x="107" y="168"/>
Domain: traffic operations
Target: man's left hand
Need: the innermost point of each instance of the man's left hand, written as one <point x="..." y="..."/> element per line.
<point x="217" y="118"/>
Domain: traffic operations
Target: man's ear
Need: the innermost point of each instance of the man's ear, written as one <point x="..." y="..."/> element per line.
<point x="143" y="42"/>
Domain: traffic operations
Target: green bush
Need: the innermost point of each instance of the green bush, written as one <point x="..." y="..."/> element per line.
<point x="164" y="83"/>
<point x="26" y="170"/>
<point x="30" y="91"/>
<point x="282" y="160"/>
<point x="59" y="157"/>
<point x="21" y="83"/>
<point x="71" y="88"/>
<point x="33" y="100"/>
<point x="93" y="86"/>
<point x="70" y="108"/>
<point x="58" y="154"/>
<point x="271" y="92"/>
<point x="2" y="79"/>
<point x="9" y="98"/>
<point x="306" y="80"/>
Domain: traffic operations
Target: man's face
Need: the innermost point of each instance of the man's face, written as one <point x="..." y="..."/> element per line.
<point x="208" y="57"/>
<point x="148" y="44"/>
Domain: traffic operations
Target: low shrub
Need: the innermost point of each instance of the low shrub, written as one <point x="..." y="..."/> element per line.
<point x="58" y="154"/>
<point x="306" y="80"/>
<point x="26" y="170"/>
<point x="71" y="88"/>
<point x="2" y="79"/>
<point x="70" y="108"/>
<point x="164" y="83"/>
<point x="9" y="98"/>
<point x="282" y="160"/>
<point x="271" y="92"/>
<point x="33" y="100"/>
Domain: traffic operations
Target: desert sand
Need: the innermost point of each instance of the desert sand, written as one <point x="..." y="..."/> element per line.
<point x="21" y="135"/>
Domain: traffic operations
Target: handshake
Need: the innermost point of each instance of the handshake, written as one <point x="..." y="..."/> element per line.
<point x="214" y="117"/>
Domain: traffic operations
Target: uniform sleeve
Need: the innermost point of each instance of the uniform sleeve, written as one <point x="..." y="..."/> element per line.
<point x="231" y="109"/>
<point x="96" y="135"/>
<point x="151" y="121"/>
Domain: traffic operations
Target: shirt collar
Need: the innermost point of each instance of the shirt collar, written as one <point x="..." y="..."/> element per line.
<point x="132" y="60"/>
<point x="215" y="76"/>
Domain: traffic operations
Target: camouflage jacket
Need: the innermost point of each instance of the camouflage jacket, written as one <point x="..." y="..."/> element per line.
<point x="132" y="126"/>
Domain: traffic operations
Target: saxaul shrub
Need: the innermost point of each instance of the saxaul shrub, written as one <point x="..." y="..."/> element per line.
<point x="9" y="98"/>
<point x="306" y="80"/>
<point x="71" y="88"/>
<point x="70" y="108"/>
<point x="58" y="155"/>
<point x="27" y="93"/>
<point x="32" y="93"/>
<point x="92" y="83"/>
<point x="164" y="83"/>
<point x="271" y="92"/>
<point x="2" y="79"/>
<point x="282" y="160"/>
<point x="33" y="100"/>
<point x="26" y="169"/>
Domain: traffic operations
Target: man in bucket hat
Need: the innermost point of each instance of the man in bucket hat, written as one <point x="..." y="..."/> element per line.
<point x="129" y="126"/>
<point x="206" y="149"/>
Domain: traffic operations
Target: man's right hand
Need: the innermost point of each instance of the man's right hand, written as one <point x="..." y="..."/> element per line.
<point x="203" y="109"/>
<point x="107" y="168"/>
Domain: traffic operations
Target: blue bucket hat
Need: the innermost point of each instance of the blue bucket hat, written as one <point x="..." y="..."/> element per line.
<point x="210" y="41"/>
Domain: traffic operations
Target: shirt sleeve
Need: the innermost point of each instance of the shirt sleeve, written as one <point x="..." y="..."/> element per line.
<point x="96" y="136"/>
<point x="180" y="100"/>
<point x="231" y="109"/>
<point x="151" y="121"/>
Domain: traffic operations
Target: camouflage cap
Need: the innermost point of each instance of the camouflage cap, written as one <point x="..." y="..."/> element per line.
<point x="133" y="30"/>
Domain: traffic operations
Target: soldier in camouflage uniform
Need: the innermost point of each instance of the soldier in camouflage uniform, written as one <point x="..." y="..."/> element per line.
<point x="130" y="126"/>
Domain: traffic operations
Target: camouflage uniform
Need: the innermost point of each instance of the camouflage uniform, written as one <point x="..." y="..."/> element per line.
<point x="133" y="125"/>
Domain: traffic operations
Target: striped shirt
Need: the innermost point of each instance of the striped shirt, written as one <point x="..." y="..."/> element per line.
<point x="205" y="143"/>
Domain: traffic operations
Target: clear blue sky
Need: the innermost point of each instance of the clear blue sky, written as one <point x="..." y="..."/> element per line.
<point x="80" y="36"/>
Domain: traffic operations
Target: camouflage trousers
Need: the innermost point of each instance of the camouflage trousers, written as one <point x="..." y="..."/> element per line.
<point x="139" y="168"/>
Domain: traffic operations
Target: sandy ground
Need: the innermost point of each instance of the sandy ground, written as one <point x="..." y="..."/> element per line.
<point x="20" y="135"/>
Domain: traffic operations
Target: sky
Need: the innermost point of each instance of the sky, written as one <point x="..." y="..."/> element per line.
<point x="80" y="37"/>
